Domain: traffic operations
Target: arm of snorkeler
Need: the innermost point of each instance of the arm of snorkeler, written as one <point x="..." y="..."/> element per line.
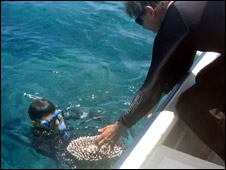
<point x="74" y="117"/>
<point x="75" y="114"/>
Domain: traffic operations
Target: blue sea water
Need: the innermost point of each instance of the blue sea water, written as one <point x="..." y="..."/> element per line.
<point x="83" y="55"/>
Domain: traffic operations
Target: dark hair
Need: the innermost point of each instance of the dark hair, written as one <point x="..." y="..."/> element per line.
<point x="40" y="108"/>
<point x="135" y="8"/>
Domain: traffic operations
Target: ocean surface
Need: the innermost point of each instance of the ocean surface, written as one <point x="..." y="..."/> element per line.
<point x="87" y="56"/>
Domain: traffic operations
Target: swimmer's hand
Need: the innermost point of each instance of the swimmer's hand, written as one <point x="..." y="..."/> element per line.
<point x="110" y="134"/>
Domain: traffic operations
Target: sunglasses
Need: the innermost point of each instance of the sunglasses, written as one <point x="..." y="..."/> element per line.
<point x="58" y="115"/>
<point x="138" y="20"/>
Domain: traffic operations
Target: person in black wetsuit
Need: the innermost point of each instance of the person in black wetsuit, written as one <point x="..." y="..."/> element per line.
<point x="183" y="28"/>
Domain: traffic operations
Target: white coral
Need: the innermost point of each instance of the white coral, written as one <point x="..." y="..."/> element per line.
<point x="85" y="148"/>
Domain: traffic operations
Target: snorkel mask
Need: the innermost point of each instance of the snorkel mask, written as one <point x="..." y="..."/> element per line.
<point x="59" y="116"/>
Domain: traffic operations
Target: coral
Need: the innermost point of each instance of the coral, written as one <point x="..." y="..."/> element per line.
<point x="84" y="148"/>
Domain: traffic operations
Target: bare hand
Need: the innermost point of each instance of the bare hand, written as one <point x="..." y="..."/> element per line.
<point x="110" y="134"/>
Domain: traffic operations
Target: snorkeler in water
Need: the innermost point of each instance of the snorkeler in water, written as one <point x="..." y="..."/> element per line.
<point x="52" y="133"/>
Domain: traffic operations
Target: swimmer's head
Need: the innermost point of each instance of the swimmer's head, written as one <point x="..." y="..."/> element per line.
<point x="45" y="115"/>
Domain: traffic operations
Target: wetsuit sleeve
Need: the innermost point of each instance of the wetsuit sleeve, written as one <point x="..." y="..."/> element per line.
<point x="172" y="58"/>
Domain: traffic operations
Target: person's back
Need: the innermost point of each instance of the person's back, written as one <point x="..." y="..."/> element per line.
<point x="206" y="22"/>
<point x="188" y="27"/>
<point x="206" y="25"/>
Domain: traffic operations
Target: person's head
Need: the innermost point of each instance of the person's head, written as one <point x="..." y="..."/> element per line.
<point x="149" y="14"/>
<point x="44" y="114"/>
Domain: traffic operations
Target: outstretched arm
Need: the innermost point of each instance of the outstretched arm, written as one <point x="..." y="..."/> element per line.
<point x="172" y="57"/>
